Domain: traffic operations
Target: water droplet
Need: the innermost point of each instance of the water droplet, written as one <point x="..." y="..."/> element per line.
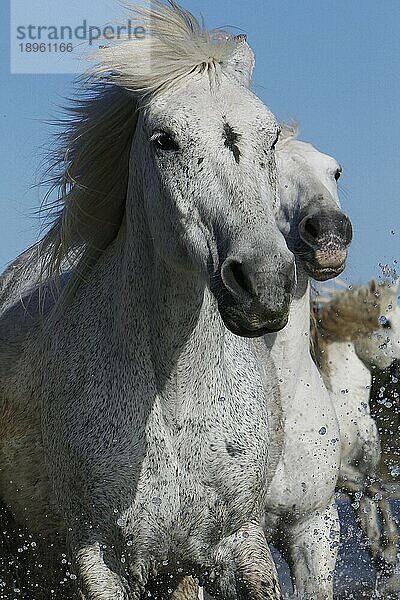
<point x="322" y="431"/>
<point x="395" y="470"/>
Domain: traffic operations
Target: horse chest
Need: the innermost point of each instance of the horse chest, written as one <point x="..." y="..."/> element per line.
<point x="205" y="466"/>
<point x="183" y="457"/>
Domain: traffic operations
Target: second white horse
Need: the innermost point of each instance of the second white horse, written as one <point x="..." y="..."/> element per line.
<point x="301" y="516"/>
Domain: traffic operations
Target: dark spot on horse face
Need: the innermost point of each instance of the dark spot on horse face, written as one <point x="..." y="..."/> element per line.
<point x="233" y="450"/>
<point x="231" y="139"/>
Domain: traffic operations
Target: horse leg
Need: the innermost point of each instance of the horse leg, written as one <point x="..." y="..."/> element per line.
<point x="371" y="500"/>
<point x="312" y="552"/>
<point x="384" y="555"/>
<point x="383" y="546"/>
<point x="351" y="480"/>
<point x="183" y="587"/>
<point x="368" y="518"/>
<point x="97" y="581"/>
<point x="388" y="579"/>
<point x="390" y="532"/>
<point x="187" y="589"/>
<point x="354" y="484"/>
<point x="245" y="568"/>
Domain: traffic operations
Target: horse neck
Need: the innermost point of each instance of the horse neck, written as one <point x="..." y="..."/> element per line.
<point x="347" y="373"/>
<point x="290" y="348"/>
<point x="163" y="307"/>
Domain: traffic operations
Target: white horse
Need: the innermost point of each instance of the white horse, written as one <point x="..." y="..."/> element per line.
<point x="301" y="516"/>
<point x="138" y="433"/>
<point x="358" y="331"/>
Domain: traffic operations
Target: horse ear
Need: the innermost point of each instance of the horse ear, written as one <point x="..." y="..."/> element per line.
<point x="241" y="63"/>
<point x="372" y="286"/>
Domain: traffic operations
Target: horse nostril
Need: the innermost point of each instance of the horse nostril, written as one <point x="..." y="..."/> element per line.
<point x="348" y="230"/>
<point x="323" y="226"/>
<point x="309" y="229"/>
<point x="241" y="278"/>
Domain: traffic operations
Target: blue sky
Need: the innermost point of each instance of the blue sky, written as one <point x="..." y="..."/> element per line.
<point x="334" y="67"/>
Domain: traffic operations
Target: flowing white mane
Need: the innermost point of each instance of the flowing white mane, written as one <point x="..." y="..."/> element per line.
<point x="91" y="167"/>
<point x="175" y="46"/>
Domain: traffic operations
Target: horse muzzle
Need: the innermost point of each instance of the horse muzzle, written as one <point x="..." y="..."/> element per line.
<point x="252" y="300"/>
<point x="325" y="237"/>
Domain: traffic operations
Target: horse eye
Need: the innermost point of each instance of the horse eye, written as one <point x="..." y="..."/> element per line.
<point x="338" y="173"/>
<point x="164" y="141"/>
<point x="384" y="322"/>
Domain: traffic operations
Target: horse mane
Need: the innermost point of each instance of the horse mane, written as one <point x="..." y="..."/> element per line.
<point x="91" y="178"/>
<point x="345" y="316"/>
<point x="287" y="134"/>
<point x="90" y="170"/>
<point x="175" y="47"/>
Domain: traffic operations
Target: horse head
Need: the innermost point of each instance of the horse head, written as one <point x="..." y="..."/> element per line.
<point x="317" y="231"/>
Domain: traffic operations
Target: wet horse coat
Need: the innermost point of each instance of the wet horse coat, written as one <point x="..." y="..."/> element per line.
<point x="301" y="516"/>
<point x="138" y="432"/>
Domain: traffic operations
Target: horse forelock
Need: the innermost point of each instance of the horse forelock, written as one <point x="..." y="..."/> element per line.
<point x="174" y="46"/>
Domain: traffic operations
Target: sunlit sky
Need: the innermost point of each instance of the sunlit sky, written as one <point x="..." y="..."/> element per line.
<point x="333" y="67"/>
